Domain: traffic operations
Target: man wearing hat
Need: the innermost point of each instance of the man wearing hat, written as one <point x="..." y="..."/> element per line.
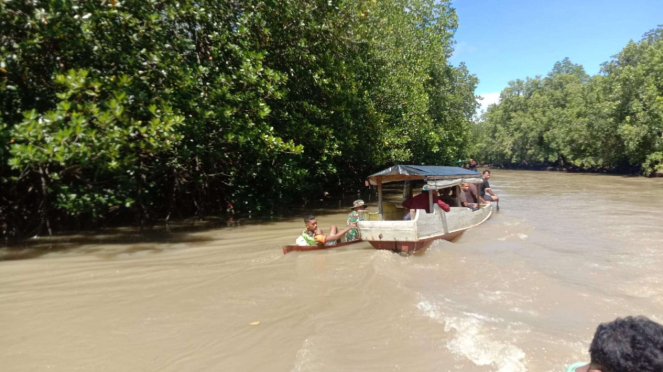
<point x="353" y="217"/>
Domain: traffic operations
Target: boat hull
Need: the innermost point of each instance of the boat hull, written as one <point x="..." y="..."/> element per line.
<point x="417" y="235"/>
<point x="409" y="247"/>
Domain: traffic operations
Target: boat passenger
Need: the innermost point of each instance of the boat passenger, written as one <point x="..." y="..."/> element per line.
<point x="314" y="236"/>
<point x="472" y="164"/>
<point x="475" y="191"/>
<point x="468" y="197"/>
<point x="421" y="202"/>
<point x="354" y="217"/>
<point x="625" y="345"/>
<point x="484" y="189"/>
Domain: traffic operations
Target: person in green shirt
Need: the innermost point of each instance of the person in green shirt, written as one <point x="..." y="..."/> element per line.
<point x="353" y="218"/>
<point x="315" y="236"/>
<point x="631" y="344"/>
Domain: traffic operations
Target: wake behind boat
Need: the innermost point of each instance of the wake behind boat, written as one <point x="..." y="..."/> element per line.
<point x="388" y="230"/>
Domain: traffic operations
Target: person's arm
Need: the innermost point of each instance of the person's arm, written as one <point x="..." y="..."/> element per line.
<point x="341" y="233"/>
<point x="444" y="206"/>
<point x="463" y="200"/>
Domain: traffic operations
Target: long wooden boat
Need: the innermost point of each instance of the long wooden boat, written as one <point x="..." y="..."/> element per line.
<point x="388" y="230"/>
<point x="299" y="248"/>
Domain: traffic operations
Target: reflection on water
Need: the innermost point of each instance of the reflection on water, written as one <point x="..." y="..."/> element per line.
<point x="523" y="292"/>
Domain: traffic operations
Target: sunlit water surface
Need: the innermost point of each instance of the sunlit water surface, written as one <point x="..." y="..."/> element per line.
<point x="522" y="292"/>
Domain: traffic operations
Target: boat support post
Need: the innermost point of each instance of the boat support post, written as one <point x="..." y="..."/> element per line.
<point x="430" y="200"/>
<point x="444" y="222"/>
<point x="380" y="200"/>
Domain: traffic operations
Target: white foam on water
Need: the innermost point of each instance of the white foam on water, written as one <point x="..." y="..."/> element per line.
<point x="305" y="359"/>
<point x="472" y="340"/>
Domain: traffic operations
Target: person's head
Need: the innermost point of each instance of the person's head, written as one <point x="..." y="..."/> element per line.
<point x="465" y="186"/>
<point x="311" y="223"/>
<point x="359" y="205"/>
<point x="425" y="192"/>
<point x="486" y="174"/>
<point x="626" y="345"/>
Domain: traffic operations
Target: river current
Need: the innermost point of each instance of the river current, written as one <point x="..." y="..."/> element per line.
<point x="522" y="292"/>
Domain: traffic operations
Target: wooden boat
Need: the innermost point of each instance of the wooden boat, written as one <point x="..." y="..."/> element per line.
<point x="386" y="229"/>
<point x="302" y="248"/>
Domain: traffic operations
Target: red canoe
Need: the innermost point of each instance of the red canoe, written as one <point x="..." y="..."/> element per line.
<point x="303" y="248"/>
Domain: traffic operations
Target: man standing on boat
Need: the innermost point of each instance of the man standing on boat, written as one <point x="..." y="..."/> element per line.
<point x="314" y="236"/>
<point x="421" y="202"/>
<point x="353" y="218"/>
<point x="485" y="192"/>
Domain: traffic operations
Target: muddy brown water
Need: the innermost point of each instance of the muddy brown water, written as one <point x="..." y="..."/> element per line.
<point x="522" y="292"/>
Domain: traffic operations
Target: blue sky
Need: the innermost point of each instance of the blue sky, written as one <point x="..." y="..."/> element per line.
<point x="504" y="40"/>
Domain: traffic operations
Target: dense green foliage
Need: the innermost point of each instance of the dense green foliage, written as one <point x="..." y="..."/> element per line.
<point x="140" y="109"/>
<point x="611" y="121"/>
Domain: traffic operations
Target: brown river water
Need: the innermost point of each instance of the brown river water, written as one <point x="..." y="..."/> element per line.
<point x="522" y="292"/>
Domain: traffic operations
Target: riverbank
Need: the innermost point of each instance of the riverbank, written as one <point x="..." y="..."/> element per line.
<point x="624" y="171"/>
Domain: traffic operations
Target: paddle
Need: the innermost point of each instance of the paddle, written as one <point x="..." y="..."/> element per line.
<point x="498" y="205"/>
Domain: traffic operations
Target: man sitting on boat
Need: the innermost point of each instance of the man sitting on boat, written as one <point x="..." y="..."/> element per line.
<point x="314" y="236"/>
<point x="473" y="164"/>
<point x="353" y="217"/>
<point x="484" y="189"/>
<point x="421" y="201"/>
<point x="468" y="197"/>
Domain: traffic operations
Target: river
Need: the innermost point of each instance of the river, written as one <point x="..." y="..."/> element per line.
<point x="522" y="292"/>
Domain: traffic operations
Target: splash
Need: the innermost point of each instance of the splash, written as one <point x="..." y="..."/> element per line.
<point x="472" y="340"/>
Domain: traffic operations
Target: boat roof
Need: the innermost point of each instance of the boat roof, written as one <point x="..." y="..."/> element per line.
<point x="420" y="172"/>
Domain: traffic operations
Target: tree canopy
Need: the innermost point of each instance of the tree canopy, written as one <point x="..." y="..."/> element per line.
<point x="140" y="110"/>
<point x="612" y="121"/>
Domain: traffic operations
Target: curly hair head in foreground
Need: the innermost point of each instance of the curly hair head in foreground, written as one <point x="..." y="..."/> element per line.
<point x="631" y="344"/>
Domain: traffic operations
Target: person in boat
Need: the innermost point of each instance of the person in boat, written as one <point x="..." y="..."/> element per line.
<point x="625" y="345"/>
<point x="314" y="236"/>
<point x="472" y="164"/>
<point x="354" y="217"/>
<point x="485" y="191"/>
<point x="469" y="197"/>
<point x="421" y="202"/>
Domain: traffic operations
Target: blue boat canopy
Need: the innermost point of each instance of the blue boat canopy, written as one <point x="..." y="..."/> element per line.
<point x="420" y="172"/>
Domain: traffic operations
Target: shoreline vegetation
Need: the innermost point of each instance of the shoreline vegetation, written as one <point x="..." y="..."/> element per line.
<point x="130" y="113"/>
<point x="133" y="112"/>
<point x="610" y="122"/>
<point x="629" y="172"/>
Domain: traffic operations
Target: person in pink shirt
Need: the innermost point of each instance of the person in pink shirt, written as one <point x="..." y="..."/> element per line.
<point x="421" y="202"/>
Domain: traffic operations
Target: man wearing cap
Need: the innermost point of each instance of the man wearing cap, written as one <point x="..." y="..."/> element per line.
<point x="353" y="218"/>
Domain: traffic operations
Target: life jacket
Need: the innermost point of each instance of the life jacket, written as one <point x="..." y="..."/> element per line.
<point x="313" y="240"/>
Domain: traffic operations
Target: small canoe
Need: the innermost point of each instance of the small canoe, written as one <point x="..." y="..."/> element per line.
<point x="303" y="248"/>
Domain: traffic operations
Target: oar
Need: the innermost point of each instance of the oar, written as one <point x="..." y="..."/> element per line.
<point x="498" y="205"/>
